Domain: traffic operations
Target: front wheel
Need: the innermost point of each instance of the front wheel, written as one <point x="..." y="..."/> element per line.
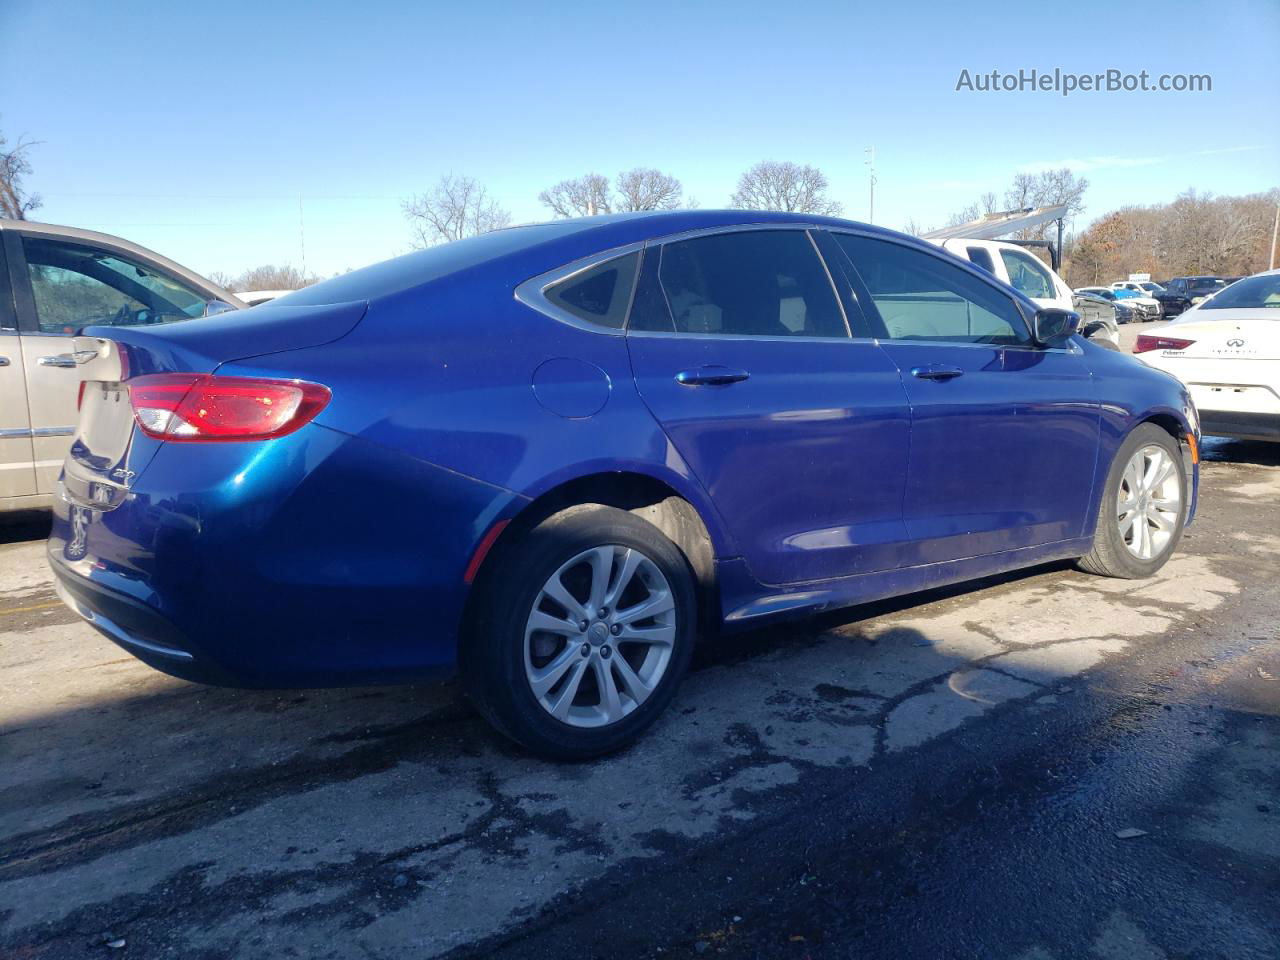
<point x="583" y="631"/>
<point x="1143" y="509"/>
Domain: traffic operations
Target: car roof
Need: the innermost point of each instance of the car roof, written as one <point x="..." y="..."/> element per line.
<point x="534" y="248"/>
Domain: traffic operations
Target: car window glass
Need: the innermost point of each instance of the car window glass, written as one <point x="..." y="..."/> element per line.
<point x="979" y="257"/>
<point x="920" y="296"/>
<point x="1027" y="275"/>
<point x="762" y="283"/>
<point x="1253" y="293"/>
<point x="75" y="285"/>
<point x="599" y="294"/>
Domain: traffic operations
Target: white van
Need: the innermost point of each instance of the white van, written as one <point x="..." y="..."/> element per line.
<point x="1026" y="273"/>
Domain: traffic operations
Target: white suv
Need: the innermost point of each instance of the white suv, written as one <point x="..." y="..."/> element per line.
<point x="53" y="281"/>
<point x="1026" y="273"/>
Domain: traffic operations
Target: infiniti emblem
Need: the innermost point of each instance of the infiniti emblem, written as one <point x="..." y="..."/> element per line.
<point x="1236" y="342"/>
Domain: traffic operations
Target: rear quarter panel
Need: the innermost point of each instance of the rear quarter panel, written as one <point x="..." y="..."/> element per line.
<point x="444" y="374"/>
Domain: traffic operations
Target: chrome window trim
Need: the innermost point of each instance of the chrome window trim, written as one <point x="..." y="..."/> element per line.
<point x="533" y="292"/>
<point x="649" y="334"/>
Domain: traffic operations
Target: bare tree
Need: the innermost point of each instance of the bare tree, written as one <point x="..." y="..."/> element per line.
<point x="648" y="189"/>
<point x="15" y="202"/>
<point x="584" y="196"/>
<point x="774" y="185"/>
<point x="271" y="277"/>
<point x="1046" y="189"/>
<point x="457" y="207"/>
<point x="1196" y="233"/>
<point x="986" y="204"/>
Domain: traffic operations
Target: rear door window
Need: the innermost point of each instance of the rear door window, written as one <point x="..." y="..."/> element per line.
<point x="755" y="283"/>
<point x="979" y="257"/>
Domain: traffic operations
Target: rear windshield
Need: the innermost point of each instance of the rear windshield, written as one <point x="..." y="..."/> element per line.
<point x="1252" y="293"/>
<point x="422" y="266"/>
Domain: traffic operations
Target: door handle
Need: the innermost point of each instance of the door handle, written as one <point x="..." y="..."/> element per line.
<point x="4" y="361"/>
<point x="68" y="360"/>
<point x="936" y="371"/>
<point x="711" y="375"/>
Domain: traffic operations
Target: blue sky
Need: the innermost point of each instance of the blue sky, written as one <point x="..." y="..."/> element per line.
<point x="195" y="129"/>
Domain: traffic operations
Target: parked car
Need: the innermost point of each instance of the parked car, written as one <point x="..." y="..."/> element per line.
<point x="1226" y="350"/>
<point x="1147" y="288"/>
<point x="1026" y="273"/>
<point x="53" y="281"/>
<point x="550" y="455"/>
<point x="255" y="298"/>
<point x="1182" y="293"/>
<point x="1125" y="312"/>
<point x="1097" y="319"/>
<point x="1145" y="308"/>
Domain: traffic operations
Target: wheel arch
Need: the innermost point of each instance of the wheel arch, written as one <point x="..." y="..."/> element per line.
<point x="642" y="494"/>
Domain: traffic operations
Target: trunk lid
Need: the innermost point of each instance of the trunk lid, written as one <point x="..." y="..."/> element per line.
<point x="1238" y="337"/>
<point x="107" y="452"/>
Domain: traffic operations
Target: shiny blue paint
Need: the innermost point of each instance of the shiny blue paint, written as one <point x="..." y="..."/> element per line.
<point x="336" y="554"/>
<point x="785" y="458"/>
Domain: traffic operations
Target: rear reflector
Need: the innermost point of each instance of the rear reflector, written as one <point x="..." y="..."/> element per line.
<point x="1151" y="341"/>
<point x="198" y="407"/>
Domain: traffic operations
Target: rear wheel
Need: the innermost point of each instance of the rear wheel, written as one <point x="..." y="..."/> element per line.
<point x="584" y="629"/>
<point x="1143" y="507"/>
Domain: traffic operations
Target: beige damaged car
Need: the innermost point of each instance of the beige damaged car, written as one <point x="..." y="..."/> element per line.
<point x="53" y="281"/>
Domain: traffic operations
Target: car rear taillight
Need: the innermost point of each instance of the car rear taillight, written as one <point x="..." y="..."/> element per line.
<point x="1150" y="341"/>
<point x="202" y="407"/>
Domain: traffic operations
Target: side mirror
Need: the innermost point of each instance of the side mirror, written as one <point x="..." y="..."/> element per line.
<point x="1053" y="327"/>
<point x="214" y="307"/>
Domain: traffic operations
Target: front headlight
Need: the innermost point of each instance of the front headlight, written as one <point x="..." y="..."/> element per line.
<point x="1193" y="415"/>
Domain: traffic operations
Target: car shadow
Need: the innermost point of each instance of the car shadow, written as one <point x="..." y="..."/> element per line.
<point x="24" y="526"/>
<point x="1257" y="453"/>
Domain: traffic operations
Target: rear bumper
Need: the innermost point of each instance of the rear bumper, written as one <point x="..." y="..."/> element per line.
<point x="314" y="560"/>
<point x="139" y="629"/>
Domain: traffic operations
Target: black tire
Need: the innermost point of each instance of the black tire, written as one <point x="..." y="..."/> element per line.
<point x="1110" y="556"/>
<point x="493" y="655"/>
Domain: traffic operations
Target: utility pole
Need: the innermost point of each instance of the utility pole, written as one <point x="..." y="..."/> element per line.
<point x="871" y="168"/>
<point x="302" y="237"/>
<point x="1275" y="229"/>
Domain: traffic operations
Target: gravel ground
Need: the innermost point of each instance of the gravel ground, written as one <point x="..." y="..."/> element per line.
<point x="953" y="774"/>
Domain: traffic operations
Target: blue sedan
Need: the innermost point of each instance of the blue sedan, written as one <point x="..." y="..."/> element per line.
<point x="552" y="456"/>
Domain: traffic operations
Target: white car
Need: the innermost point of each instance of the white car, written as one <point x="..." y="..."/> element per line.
<point x="1143" y="288"/>
<point x="1227" y="351"/>
<point x="255" y="297"/>
<point x="1026" y="273"/>
<point x="1146" y="306"/>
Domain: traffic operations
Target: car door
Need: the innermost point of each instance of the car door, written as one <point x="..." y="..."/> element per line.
<point x="798" y="431"/>
<point x="17" y="474"/>
<point x="60" y="286"/>
<point x="1004" y="435"/>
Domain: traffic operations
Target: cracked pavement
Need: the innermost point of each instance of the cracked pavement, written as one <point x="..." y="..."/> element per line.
<point x="940" y="775"/>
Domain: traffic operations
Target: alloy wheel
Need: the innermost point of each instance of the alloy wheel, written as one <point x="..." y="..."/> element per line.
<point x="600" y="635"/>
<point x="1149" y="502"/>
